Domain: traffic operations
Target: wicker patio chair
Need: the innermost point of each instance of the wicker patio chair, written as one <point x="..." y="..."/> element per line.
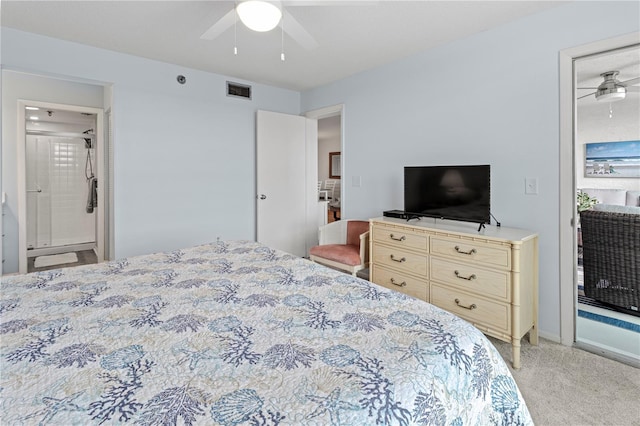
<point x="611" y="257"/>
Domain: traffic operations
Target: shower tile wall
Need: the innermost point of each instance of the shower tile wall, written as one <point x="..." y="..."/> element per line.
<point x="57" y="215"/>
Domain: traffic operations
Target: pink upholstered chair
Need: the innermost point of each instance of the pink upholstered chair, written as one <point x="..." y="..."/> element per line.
<point x="343" y="245"/>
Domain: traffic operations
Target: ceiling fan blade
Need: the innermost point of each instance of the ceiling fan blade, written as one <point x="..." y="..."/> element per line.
<point x="221" y="26"/>
<point x="297" y="32"/>
<point x="585" y="96"/>
<point x="631" y="82"/>
<point x="634" y="89"/>
<point x="294" y="3"/>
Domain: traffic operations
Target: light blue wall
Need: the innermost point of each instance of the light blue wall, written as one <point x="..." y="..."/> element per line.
<point x="489" y="99"/>
<point x="184" y="154"/>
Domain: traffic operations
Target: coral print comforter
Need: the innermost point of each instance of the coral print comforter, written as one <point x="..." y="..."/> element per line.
<point x="237" y="333"/>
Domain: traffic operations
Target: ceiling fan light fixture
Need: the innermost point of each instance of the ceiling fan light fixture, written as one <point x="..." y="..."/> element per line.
<point x="611" y="94"/>
<point x="259" y="15"/>
<point x="611" y="89"/>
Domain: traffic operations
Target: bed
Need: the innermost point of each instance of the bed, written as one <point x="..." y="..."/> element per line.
<point x="237" y="333"/>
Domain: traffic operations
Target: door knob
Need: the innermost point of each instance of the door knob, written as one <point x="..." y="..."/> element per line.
<point x="263" y="197"/>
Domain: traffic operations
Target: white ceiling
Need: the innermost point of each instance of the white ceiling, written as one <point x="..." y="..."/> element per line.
<point x="352" y="36"/>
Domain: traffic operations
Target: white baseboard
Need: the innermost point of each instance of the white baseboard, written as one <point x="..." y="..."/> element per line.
<point x="548" y="336"/>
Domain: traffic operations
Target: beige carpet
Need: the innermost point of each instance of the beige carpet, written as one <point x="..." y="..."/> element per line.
<point x="568" y="386"/>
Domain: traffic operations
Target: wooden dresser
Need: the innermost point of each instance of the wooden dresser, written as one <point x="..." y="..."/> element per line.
<point x="489" y="278"/>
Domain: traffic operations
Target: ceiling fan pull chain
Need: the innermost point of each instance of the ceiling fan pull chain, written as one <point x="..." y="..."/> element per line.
<point x="282" y="38"/>
<point x="610" y="110"/>
<point x="235" y="33"/>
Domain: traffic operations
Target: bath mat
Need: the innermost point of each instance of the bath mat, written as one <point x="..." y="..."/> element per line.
<point x="55" y="259"/>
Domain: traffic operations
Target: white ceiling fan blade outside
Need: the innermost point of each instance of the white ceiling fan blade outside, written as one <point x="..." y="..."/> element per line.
<point x="631" y="82"/>
<point x="292" y="27"/>
<point x="221" y="26"/>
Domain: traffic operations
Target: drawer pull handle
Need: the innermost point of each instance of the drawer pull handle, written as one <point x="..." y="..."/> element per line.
<point x="469" y="278"/>
<point x="472" y="307"/>
<point x="402" y="284"/>
<point x="396" y="238"/>
<point x="402" y="259"/>
<point x="472" y="251"/>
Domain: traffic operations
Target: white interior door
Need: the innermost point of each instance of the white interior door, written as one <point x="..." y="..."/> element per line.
<point x="286" y="197"/>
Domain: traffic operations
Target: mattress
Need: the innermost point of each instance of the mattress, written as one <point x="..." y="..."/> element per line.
<point x="237" y="333"/>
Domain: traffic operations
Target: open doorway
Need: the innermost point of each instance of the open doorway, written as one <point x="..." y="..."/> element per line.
<point x="331" y="191"/>
<point x="567" y="189"/>
<point x="329" y="165"/>
<point x="607" y="178"/>
<point x="61" y="164"/>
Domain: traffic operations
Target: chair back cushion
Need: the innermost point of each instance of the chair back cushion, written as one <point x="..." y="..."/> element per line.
<point x="354" y="229"/>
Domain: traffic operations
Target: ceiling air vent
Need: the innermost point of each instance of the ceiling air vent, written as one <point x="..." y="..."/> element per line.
<point x="238" y="90"/>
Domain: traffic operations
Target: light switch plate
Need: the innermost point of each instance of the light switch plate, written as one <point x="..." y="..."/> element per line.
<point x="356" y="181"/>
<point x="531" y="185"/>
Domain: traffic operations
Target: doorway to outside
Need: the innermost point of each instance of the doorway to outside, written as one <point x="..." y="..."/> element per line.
<point x="61" y="206"/>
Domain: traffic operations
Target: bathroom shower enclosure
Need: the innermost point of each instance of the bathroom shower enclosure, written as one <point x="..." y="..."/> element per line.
<point x="62" y="207"/>
<point x="59" y="168"/>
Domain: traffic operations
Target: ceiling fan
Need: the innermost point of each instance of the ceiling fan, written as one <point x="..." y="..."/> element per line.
<point x="612" y="89"/>
<point x="272" y="11"/>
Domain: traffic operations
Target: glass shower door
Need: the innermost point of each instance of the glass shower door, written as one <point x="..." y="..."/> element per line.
<point x="57" y="192"/>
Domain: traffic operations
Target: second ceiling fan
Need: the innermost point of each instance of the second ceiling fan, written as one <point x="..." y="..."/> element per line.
<point x="612" y="89"/>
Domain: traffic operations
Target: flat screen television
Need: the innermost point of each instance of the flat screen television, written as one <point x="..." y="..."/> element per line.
<point x="448" y="192"/>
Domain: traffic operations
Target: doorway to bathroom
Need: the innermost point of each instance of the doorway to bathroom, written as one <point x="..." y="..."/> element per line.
<point x="63" y="201"/>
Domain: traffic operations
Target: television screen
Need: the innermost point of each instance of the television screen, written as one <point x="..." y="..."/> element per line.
<point x="448" y="192"/>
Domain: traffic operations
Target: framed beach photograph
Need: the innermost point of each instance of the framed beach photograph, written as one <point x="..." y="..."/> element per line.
<point x="612" y="159"/>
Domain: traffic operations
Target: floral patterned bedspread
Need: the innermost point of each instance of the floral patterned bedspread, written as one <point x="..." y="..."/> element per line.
<point x="238" y="333"/>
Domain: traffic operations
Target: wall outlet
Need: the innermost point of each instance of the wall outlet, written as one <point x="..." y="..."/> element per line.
<point x="531" y="185"/>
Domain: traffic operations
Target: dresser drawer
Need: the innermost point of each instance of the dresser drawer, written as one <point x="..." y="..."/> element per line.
<point x="472" y="278"/>
<point x="401" y="260"/>
<point x="490" y="315"/>
<point x="398" y="281"/>
<point x="473" y="251"/>
<point x="399" y="237"/>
